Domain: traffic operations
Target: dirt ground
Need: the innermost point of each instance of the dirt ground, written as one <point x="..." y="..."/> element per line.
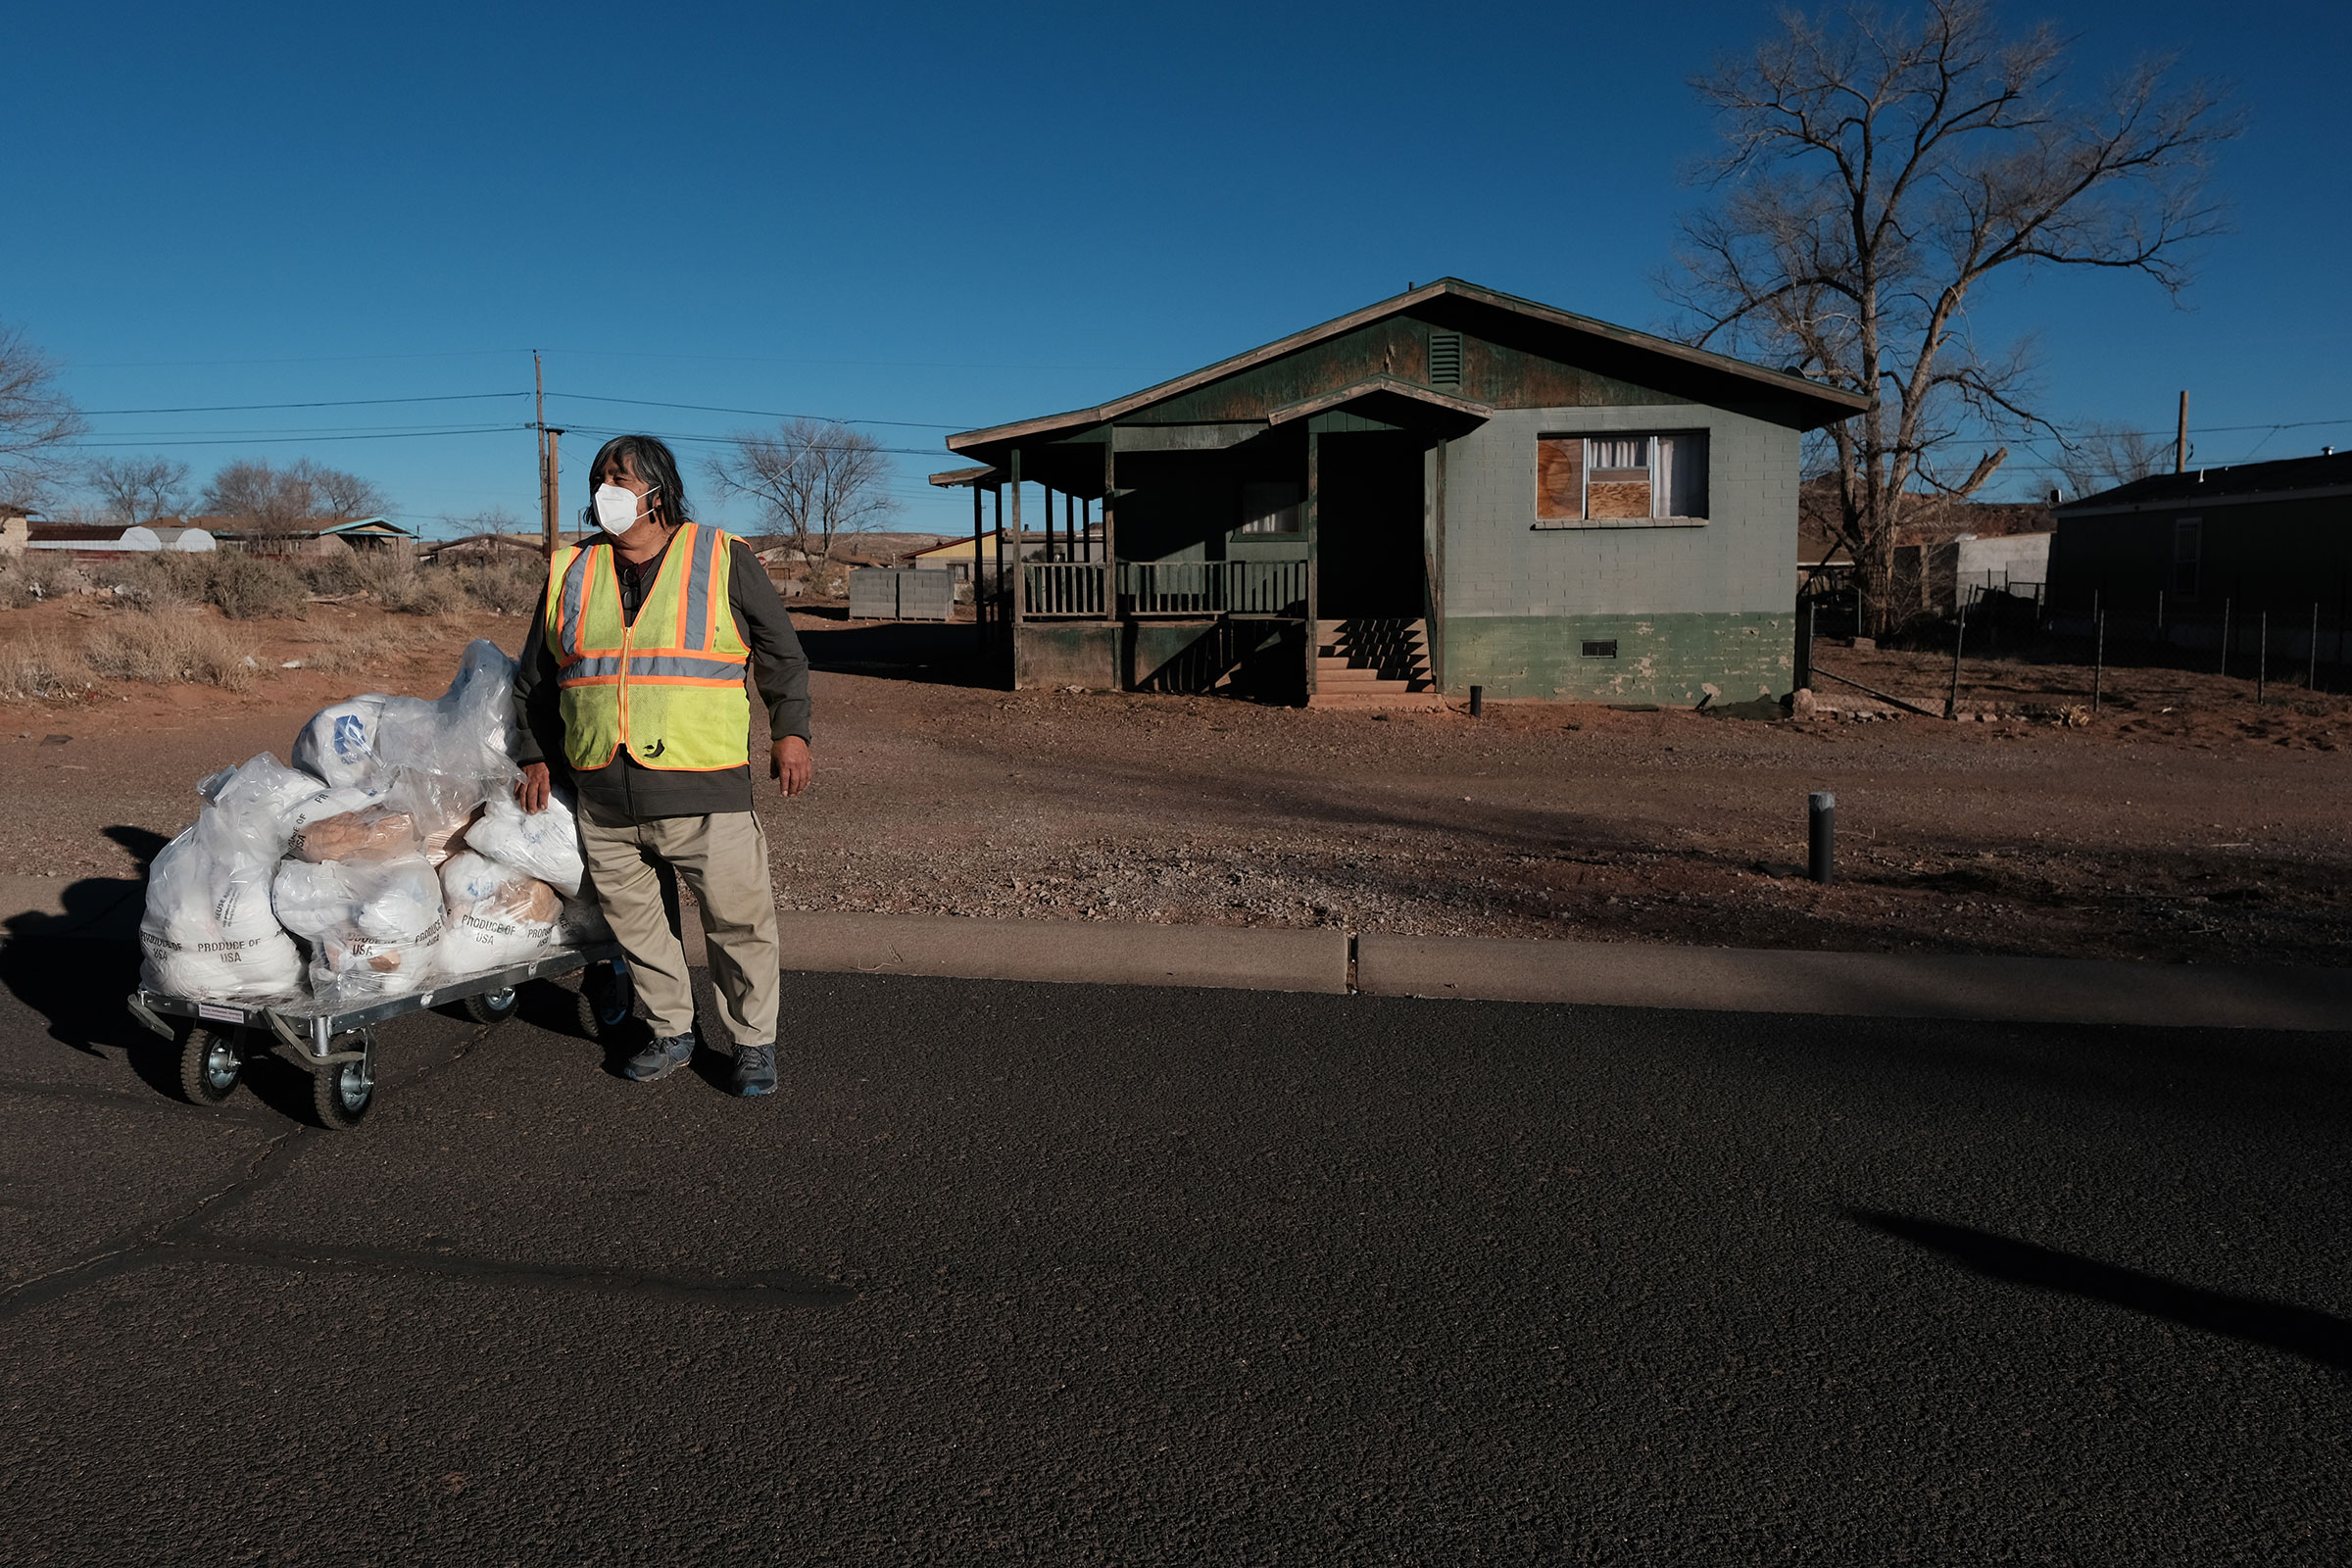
<point x="2181" y="822"/>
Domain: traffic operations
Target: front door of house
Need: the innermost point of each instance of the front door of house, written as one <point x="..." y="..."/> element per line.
<point x="1368" y="526"/>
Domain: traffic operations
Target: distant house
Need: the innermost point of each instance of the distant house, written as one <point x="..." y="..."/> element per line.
<point x="2181" y="550"/>
<point x="957" y="555"/>
<point x="1945" y="550"/>
<point x="1446" y="489"/>
<point x="111" y="539"/>
<point x="320" y="536"/>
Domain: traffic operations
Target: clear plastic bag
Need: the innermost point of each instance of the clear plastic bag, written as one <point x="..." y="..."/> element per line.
<point x="463" y="734"/>
<point x="338" y="745"/>
<point x="208" y="930"/>
<point x="497" y="915"/>
<point x="375" y="928"/>
<point x="546" y="844"/>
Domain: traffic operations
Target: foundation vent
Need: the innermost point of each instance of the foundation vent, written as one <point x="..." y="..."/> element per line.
<point x="1445" y="359"/>
<point x="1601" y="649"/>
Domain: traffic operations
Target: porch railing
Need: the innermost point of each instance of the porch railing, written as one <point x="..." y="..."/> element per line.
<point x="1213" y="587"/>
<point x="1065" y="588"/>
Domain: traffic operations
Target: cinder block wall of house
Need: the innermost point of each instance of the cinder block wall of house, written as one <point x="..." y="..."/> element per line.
<point x="1694" y="610"/>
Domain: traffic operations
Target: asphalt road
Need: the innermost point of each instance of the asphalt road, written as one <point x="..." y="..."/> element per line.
<point x="1079" y="1274"/>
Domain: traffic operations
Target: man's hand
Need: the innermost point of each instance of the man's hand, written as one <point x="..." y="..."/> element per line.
<point x="789" y="764"/>
<point x="532" y="789"/>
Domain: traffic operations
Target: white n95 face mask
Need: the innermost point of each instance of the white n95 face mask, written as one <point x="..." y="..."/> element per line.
<point x="616" y="508"/>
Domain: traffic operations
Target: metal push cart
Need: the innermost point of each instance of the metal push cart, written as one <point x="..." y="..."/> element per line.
<point x="337" y="1044"/>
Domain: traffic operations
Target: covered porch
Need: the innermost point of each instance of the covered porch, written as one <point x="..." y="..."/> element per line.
<point x="1287" y="556"/>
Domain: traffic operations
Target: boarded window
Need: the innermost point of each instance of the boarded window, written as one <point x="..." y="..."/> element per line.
<point x="1621" y="479"/>
<point x="1270" y="507"/>
<point x="1445" y="359"/>
<point x="1560" y="476"/>
<point x="2188" y="550"/>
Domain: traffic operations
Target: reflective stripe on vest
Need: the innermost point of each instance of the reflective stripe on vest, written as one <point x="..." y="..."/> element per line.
<point x="670" y="687"/>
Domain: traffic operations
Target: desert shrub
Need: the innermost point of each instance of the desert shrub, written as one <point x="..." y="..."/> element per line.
<point x="396" y="579"/>
<point x="506" y="584"/>
<point x="33" y="575"/>
<point x="334" y="574"/>
<point x="41" y="667"/>
<point x="171" y="646"/>
<point x="241" y="586"/>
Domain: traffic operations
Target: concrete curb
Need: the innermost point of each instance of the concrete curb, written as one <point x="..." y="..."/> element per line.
<point x="1873" y="985"/>
<point x="1611" y="975"/>
<point x="1239" y="957"/>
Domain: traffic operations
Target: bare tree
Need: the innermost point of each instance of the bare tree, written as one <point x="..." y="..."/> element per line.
<point x="136" y="490"/>
<point x="337" y="494"/>
<point x="2100" y="457"/>
<point x="36" y="421"/>
<point x="1876" y="171"/>
<point x="274" y="502"/>
<point x="814" y="480"/>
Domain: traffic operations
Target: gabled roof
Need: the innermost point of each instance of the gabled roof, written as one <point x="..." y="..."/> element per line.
<point x="1822" y="403"/>
<point x="2325" y="472"/>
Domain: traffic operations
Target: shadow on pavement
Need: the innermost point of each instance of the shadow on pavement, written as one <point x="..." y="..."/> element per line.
<point x="2300" y="1330"/>
<point x="935" y="653"/>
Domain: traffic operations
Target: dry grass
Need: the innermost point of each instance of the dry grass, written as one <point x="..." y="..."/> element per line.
<point x="171" y="646"/>
<point x="41" y="666"/>
<point x="241" y="586"/>
<point x="360" y="652"/>
<point x="31" y="576"/>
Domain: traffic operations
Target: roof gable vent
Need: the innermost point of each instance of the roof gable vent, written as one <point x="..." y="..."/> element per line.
<point x="1445" y="359"/>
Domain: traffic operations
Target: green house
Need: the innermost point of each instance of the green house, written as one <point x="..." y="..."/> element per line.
<point x="1447" y="489"/>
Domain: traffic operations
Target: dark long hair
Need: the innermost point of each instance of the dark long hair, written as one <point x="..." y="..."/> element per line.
<point x="648" y="458"/>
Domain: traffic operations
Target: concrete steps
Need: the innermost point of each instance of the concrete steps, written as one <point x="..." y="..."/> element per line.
<point x="1373" y="663"/>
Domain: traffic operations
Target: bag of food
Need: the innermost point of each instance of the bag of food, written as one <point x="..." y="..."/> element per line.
<point x="374" y="927"/>
<point x="208" y="931"/>
<point x="338" y="745"/>
<point x="497" y="915"/>
<point x="463" y="734"/>
<point x="377" y="833"/>
<point x="546" y="843"/>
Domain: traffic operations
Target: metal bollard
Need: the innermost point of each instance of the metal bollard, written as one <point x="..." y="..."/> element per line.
<point x="1822" y="836"/>
<point x="1478" y="701"/>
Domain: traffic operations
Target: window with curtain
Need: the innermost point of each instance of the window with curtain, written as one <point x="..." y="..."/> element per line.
<point x="1621" y="479"/>
<point x="1270" y="508"/>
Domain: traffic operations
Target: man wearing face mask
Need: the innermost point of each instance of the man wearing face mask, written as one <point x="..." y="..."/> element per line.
<point x="632" y="681"/>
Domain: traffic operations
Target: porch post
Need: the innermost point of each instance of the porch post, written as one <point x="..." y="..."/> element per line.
<point x="1314" y="627"/>
<point x="1110" y="553"/>
<point x="1020" y="577"/>
<point x="996" y="619"/>
<point x="979" y="605"/>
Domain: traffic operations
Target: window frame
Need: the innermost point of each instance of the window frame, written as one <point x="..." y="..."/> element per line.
<point x="1246" y="529"/>
<point x="1585" y="472"/>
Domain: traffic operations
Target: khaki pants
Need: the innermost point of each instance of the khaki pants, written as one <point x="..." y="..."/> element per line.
<point x="724" y="862"/>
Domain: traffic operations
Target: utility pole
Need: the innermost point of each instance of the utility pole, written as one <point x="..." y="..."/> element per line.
<point x="550" y="482"/>
<point x="2181" y="437"/>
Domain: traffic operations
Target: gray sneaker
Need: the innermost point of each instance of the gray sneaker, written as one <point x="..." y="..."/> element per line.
<point x="755" y="1070"/>
<point x="665" y="1055"/>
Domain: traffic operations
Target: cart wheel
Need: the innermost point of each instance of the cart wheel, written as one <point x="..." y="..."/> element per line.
<point x="608" y="1001"/>
<point x="210" y="1064"/>
<point x="344" y="1091"/>
<point x="493" y="1006"/>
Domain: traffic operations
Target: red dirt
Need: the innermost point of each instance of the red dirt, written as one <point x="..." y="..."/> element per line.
<point x="2182" y="822"/>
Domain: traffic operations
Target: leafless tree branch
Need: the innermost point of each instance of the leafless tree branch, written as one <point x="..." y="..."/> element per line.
<point x="1875" y="169"/>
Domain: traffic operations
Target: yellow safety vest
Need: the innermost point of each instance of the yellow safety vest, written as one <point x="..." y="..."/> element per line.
<point x="670" y="688"/>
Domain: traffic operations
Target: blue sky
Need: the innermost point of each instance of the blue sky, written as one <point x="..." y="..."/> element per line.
<point x="946" y="217"/>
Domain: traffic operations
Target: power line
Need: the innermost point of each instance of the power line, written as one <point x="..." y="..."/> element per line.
<point x="337" y="403"/>
<point x="272" y="440"/>
<point x="764" y="413"/>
